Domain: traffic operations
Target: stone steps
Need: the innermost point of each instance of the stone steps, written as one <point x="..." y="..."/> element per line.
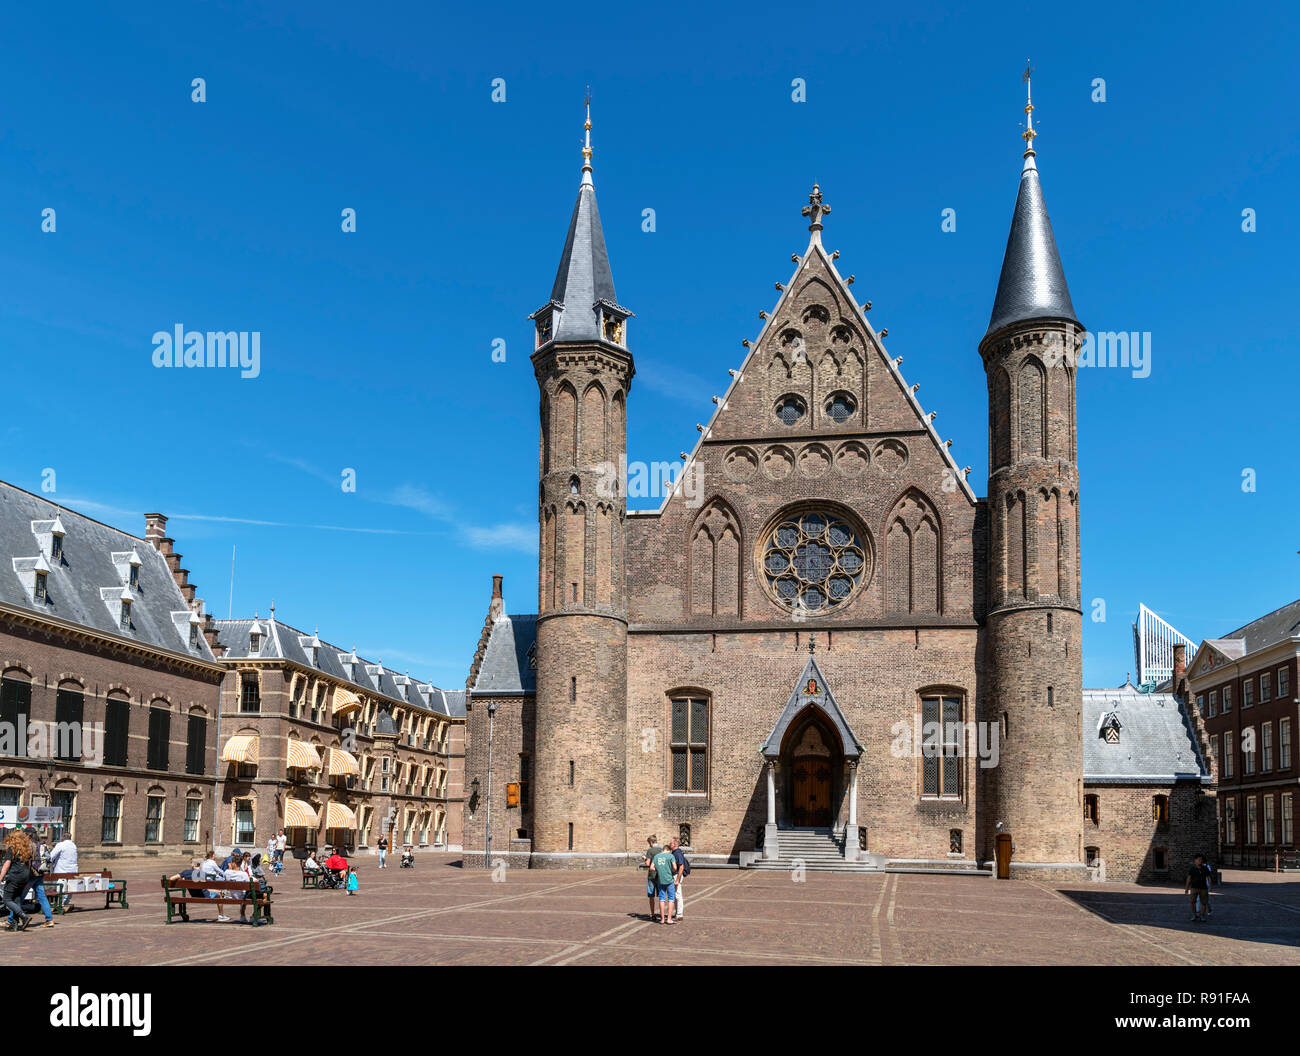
<point x="817" y="850"/>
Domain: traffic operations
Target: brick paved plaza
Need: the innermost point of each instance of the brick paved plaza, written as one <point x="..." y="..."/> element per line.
<point x="441" y="914"/>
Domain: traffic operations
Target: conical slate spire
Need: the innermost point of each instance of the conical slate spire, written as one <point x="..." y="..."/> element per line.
<point x="1032" y="285"/>
<point x="583" y="279"/>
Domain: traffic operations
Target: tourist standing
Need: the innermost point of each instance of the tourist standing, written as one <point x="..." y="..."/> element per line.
<point x="1198" y="886"/>
<point x="663" y="865"/>
<point x="63" y="859"/>
<point x="383" y="851"/>
<point x="647" y="863"/>
<point x="281" y="843"/>
<point x="679" y="873"/>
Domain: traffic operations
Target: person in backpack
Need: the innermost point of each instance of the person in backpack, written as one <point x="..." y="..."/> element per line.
<point x="647" y="863"/>
<point x="683" y="868"/>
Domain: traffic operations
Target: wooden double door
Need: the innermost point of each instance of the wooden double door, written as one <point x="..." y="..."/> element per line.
<point x="811" y="791"/>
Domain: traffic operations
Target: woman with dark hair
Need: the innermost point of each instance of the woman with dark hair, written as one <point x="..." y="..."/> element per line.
<point x="15" y="876"/>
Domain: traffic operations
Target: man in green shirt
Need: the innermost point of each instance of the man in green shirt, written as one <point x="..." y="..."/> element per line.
<point x="651" y="888"/>
<point x="664" y="866"/>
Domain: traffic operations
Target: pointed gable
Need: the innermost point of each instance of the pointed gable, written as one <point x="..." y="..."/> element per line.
<point x="819" y="371"/>
<point x="811" y="691"/>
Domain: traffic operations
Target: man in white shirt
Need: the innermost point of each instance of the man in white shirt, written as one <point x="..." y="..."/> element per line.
<point x="63" y="859"/>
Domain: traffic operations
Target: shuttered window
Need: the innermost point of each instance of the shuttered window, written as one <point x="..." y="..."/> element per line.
<point x="117" y="726"/>
<point x="69" y="709"/>
<point x="196" y="744"/>
<point x="16" y="712"/>
<point x="160" y="725"/>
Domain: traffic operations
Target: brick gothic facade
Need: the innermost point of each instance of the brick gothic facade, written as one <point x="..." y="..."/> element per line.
<point x="821" y="511"/>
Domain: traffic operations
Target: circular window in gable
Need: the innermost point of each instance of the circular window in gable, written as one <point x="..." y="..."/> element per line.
<point x="840" y="407"/>
<point x="790" y="409"/>
<point x="814" y="559"/>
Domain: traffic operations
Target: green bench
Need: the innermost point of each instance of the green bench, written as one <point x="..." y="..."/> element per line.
<point x="115" y="895"/>
<point x="181" y="894"/>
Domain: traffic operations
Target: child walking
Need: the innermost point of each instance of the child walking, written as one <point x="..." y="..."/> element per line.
<point x="352" y="882"/>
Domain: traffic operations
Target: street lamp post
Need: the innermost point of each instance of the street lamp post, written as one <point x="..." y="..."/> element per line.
<point x="487" y="858"/>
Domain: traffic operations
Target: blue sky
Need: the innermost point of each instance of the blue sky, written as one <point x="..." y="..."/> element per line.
<point x="376" y="345"/>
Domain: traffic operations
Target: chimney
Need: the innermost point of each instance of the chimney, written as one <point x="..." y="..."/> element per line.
<point x="498" y="603"/>
<point x="210" y="632"/>
<point x="155" y="529"/>
<point x="1180" y="665"/>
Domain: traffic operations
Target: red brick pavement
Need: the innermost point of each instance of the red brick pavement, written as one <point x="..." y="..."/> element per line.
<point x="441" y="914"/>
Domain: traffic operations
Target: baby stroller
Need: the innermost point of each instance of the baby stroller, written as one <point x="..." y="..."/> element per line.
<point x="408" y="859"/>
<point x="331" y="879"/>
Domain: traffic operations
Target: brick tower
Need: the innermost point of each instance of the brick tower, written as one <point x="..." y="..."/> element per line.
<point x="1034" y="624"/>
<point x="584" y="370"/>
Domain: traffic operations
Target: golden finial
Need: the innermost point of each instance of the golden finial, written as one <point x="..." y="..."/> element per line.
<point x="1028" y="134"/>
<point x="586" y="146"/>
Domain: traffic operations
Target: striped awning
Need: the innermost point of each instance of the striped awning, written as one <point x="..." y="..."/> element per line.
<point x="345" y="700"/>
<point x="339" y="816"/>
<point x="300" y="815"/>
<point x="303" y="756"/>
<point x="341" y="763"/>
<point x="242" y="749"/>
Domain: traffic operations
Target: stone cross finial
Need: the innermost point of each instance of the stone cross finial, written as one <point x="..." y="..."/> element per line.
<point x="815" y="210"/>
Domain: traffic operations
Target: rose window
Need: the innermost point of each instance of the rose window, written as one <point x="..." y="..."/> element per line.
<point x="813" y="561"/>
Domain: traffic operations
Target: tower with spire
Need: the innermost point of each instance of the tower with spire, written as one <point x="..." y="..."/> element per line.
<point x="584" y="370"/>
<point x="1034" y="620"/>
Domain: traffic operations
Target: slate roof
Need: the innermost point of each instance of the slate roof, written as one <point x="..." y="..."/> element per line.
<point x="508" y="668"/>
<point x="1267" y="630"/>
<point x="86" y="583"/>
<point x="584" y="277"/>
<point x="824" y="701"/>
<point x="1157" y="743"/>
<point x="282" y="642"/>
<point x="1032" y="283"/>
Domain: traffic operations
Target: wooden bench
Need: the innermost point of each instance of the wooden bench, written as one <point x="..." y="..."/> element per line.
<point x="113" y="895"/>
<point x="180" y="894"/>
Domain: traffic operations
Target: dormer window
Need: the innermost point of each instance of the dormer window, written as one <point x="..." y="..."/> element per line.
<point x="124" y="621"/>
<point x="614" y="329"/>
<point x="56" y="546"/>
<point x="134" y="577"/>
<point x="254" y="643"/>
<point x="38" y="594"/>
<point x="194" y="635"/>
<point x="543" y="329"/>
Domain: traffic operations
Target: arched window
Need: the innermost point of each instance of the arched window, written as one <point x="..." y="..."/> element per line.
<point x="1031" y="409"/>
<point x="688" y="747"/>
<point x="914" y="579"/>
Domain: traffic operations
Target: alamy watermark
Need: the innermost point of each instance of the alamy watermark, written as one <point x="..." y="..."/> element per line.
<point x="1122" y="349"/>
<point x="76" y="741"/>
<point x="239" y="349"/>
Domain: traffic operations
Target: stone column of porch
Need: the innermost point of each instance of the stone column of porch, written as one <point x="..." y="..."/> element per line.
<point x="771" y="842"/>
<point x="851" y="830"/>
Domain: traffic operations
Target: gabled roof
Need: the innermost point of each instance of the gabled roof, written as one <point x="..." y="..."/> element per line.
<point x="1157" y="743"/>
<point x="814" y="257"/>
<point x="811" y="691"/>
<point x="76" y="581"/>
<point x="282" y="642"/>
<point x="509" y="662"/>
<point x="1032" y="283"/>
